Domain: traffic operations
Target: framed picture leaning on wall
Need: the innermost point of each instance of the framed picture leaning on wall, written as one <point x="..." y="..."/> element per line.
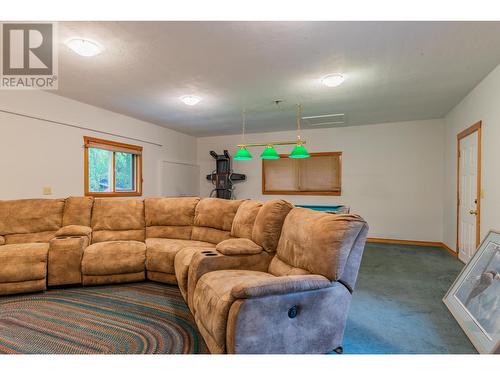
<point x="474" y="297"/>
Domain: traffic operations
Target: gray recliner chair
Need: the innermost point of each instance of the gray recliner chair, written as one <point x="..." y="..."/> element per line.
<point x="300" y="304"/>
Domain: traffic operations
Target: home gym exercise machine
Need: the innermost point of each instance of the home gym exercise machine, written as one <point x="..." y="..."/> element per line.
<point x="222" y="177"/>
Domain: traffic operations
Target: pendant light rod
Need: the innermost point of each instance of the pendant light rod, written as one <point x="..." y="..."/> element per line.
<point x="269" y="143"/>
<point x="299" y="114"/>
<point x="244" y="123"/>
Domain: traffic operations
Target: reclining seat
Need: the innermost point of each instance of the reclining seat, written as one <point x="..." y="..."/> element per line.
<point x="256" y="230"/>
<point x="118" y="251"/>
<point x="300" y="305"/>
<point x="213" y="219"/>
<point x="26" y="227"/>
<point x="169" y="225"/>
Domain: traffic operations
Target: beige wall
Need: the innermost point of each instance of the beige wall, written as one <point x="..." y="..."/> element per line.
<point x="392" y="174"/>
<point x="34" y="153"/>
<point x="481" y="104"/>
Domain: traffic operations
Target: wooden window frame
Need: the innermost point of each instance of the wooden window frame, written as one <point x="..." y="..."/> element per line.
<point x="288" y="192"/>
<point x="137" y="171"/>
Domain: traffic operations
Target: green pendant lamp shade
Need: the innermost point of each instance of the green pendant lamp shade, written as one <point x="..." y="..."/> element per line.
<point x="243" y="154"/>
<point x="269" y="153"/>
<point x="299" y="152"/>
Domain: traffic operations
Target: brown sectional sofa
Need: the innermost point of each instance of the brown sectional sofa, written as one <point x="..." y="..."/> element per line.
<point x="259" y="277"/>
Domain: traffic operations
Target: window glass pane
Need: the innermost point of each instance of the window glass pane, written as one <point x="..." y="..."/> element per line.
<point x="100" y="170"/>
<point x="124" y="171"/>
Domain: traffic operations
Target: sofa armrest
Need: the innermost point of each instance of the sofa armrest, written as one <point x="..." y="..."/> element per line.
<point x="74" y="230"/>
<point x="2" y="240"/>
<point x="204" y="263"/>
<point x="279" y="285"/>
<point x="64" y="260"/>
<point x="238" y="246"/>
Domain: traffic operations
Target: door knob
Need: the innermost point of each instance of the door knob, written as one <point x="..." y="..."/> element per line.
<point x="473" y="212"/>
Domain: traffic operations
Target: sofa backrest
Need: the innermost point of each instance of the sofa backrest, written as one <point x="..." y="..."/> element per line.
<point x="78" y="211"/>
<point x="118" y="220"/>
<point x="30" y="220"/>
<point x="213" y="219"/>
<point x="317" y="243"/>
<point x="269" y="222"/>
<point x="170" y="217"/>
<point x="245" y="218"/>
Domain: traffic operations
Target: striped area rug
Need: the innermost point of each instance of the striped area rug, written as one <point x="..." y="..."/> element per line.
<point x="127" y="319"/>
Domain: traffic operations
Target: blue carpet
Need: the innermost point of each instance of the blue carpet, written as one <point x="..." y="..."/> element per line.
<point x="397" y="305"/>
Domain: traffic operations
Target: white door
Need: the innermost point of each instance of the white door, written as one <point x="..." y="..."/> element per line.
<point x="467" y="190"/>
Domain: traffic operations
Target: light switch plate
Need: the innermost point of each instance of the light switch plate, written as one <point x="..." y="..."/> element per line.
<point x="47" y="190"/>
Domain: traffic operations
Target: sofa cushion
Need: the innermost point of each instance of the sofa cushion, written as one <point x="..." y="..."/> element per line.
<point x="170" y="231"/>
<point x="211" y="235"/>
<point x="118" y="235"/>
<point x="318" y="242"/>
<point x="77" y="211"/>
<point x="245" y="218"/>
<point x="269" y="222"/>
<point x="119" y="214"/>
<point x="216" y="213"/>
<point x="170" y="211"/>
<point x="162" y="277"/>
<point x="74" y="230"/>
<point x="160" y="254"/>
<point x="40" y="237"/>
<point x="118" y="220"/>
<point x="30" y="215"/>
<point x="279" y="268"/>
<point x="170" y="217"/>
<point x="23" y="262"/>
<point x="113" y="279"/>
<point x="114" y="258"/>
<point x="238" y="246"/>
<point x="23" y="287"/>
<point x="212" y="299"/>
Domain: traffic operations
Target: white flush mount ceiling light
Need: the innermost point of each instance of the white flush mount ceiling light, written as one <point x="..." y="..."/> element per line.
<point x="84" y="47"/>
<point x="190" y="99"/>
<point x="333" y="80"/>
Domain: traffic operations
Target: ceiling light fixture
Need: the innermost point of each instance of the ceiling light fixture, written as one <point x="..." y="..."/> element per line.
<point x="269" y="152"/>
<point x="190" y="99"/>
<point x="333" y="80"/>
<point x="84" y="47"/>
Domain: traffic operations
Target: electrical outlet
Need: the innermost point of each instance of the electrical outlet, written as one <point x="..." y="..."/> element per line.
<point x="47" y="190"/>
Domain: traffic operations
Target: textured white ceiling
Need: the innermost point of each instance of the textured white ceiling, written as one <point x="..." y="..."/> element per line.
<point x="395" y="71"/>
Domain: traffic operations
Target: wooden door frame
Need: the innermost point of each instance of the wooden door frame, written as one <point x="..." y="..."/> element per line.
<point x="464" y="133"/>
